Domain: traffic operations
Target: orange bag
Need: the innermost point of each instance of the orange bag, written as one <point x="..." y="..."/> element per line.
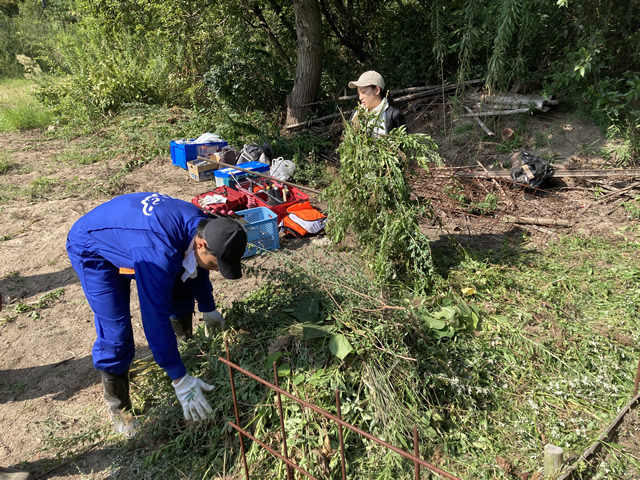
<point x="303" y="220"/>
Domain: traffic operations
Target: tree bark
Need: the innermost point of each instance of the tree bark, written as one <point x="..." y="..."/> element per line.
<point x="309" y="68"/>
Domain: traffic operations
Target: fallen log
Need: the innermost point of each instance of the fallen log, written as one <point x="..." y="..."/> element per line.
<point x="557" y="173"/>
<point x="436" y="88"/>
<point x="513" y="99"/>
<point x="490" y="113"/>
<point x="316" y="121"/>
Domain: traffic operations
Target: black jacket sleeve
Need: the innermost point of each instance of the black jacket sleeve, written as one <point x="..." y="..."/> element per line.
<point x="394" y="119"/>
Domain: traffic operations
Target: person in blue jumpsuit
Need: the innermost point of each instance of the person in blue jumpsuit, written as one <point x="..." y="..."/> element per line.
<point x="168" y="246"/>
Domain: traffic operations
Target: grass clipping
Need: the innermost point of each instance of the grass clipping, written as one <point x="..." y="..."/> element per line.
<point x="371" y="199"/>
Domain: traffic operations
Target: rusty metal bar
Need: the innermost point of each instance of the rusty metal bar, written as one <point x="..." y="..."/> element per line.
<point x="635" y="388"/>
<point x="340" y="438"/>
<point x="272" y="451"/>
<point x="353" y="428"/>
<point x="284" y="433"/>
<point x="235" y="408"/>
<point x="416" y="452"/>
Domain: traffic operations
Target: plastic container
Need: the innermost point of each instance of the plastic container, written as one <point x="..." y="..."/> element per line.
<point x="228" y="176"/>
<point x="282" y="169"/>
<point x="262" y="230"/>
<point x="182" y="152"/>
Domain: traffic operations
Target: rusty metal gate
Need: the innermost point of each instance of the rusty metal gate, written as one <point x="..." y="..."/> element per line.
<point x="284" y="457"/>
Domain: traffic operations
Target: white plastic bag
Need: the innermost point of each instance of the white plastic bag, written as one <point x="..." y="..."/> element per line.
<point x="282" y="169"/>
<point x="207" y="138"/>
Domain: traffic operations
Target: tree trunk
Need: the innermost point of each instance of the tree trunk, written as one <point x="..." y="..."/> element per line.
<point x="309" y="68"/>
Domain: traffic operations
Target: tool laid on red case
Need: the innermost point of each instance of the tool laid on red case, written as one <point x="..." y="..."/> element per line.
<point x="275" y="196"/>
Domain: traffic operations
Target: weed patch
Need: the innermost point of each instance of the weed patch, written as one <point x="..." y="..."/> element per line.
<point x="19" y="110"/>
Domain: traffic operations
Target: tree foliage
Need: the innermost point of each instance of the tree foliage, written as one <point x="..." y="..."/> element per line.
<point x="243" y="52"/>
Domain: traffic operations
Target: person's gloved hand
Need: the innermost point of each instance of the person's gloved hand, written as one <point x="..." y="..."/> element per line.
<point x="189" y="391"/>
<point x="212" y="321"/>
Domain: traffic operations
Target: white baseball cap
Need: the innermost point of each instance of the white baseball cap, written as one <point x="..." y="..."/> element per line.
<point x="369" y="78"/>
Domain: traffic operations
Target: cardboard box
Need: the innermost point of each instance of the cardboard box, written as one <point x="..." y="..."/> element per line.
<point x="201" y="170"/>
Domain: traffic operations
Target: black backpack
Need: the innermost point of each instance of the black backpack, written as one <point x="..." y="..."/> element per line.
<point x="253" y="153"/>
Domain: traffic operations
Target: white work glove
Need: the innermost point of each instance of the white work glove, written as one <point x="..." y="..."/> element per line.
<point x="189" y="391"/>
<point x="212" y="321"/>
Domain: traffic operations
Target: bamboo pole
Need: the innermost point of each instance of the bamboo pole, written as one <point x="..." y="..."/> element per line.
<point x="269" y="177"/>
<point x="435" y="88"/>
<point x="481" y="123"/>
<point x="537" y="221"/>
<point x="317" y="120"/>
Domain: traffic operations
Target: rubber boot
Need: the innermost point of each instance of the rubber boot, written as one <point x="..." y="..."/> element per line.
<point x="9" y="473"/>
<point x="116" y="393"/>
<point x="183" y="326"/>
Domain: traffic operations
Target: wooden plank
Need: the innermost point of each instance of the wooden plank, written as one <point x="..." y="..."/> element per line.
<point x="481" y="123"/>
<point x="568" y="474"/>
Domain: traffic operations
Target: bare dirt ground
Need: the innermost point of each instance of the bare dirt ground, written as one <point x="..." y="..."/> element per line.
<point x="48" y="386"/>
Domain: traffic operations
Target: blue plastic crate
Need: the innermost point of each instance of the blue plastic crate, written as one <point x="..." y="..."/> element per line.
<point x="181" y="153"/>
<point x="262" y="230"/>
<point x="228" y="176"/>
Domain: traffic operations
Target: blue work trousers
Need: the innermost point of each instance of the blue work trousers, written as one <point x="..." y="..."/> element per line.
<point x="108" y="293"/>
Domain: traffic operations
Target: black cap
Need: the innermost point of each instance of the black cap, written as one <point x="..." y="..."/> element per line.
<point x="227" y="240"/>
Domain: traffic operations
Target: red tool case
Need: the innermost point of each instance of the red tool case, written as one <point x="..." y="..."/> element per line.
<point x="236" y="200"/>
<point x="261" y="192"/>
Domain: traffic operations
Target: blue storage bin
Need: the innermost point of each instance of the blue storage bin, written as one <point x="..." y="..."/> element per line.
<point x="262" y="230"/>
<point x="228" y="176"/>
<point x="181" y="153"/>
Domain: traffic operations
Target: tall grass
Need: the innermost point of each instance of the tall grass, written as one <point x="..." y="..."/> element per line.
<point x="19" y="109"/>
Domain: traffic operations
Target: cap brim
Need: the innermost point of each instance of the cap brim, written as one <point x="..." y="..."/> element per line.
<point x="230" y="270"/>
<point x="354" y="85"/>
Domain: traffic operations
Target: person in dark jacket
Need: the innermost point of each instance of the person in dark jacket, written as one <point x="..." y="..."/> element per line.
<point x="168" y="246"/>
<point x="373" y="98"/>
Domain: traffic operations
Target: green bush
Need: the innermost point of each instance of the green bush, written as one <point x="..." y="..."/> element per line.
<point x="246" y="77"/>
<point x="9" y="67"/>
<point x="100" y="73"/>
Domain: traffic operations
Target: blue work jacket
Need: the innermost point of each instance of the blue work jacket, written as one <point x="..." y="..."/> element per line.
<point x="148" y="233"/>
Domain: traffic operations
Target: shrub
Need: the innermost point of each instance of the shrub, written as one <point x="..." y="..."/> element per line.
<point x="372" y="199"/>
